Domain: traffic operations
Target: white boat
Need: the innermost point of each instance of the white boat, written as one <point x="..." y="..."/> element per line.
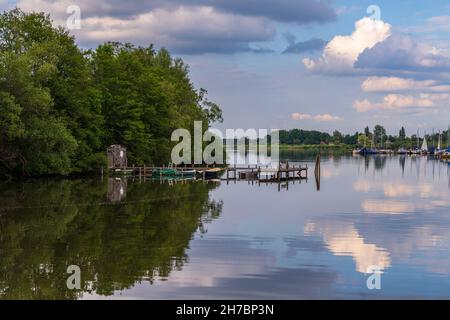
<point x="424" y="149"/>
<point x="439" y="151"/>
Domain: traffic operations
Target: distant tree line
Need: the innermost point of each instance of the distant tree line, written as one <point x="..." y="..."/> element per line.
<point x="299" y="136"/>
<point x="377" y="137"/>
<point x="61" y="106"/>
<point x="380" y="139"/>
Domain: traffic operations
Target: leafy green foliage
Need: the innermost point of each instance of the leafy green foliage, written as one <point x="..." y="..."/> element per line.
<point x="305" y="137"/>
<point x="60" y="107"/>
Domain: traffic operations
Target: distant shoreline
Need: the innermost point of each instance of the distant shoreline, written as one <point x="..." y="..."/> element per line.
<point x="307" y="147"/>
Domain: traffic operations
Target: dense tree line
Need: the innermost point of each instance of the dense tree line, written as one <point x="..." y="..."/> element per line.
<point x="61" y="106"/>
<point x="299" y="136"/>
<point x="380" y="139"/>
<point x="377" y="137"/>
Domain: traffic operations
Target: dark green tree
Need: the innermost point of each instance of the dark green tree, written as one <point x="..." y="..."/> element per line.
<point x="402" y="134"/>
<point x="379" y="133"/>
<point x="337" y="137"/>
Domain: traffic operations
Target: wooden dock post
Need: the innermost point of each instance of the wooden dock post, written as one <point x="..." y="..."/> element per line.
<point x="259" y="176"/>
<point x="317" y="172"/>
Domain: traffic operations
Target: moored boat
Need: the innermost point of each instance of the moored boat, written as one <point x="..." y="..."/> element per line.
<point x="424" y="150"/>
<point x="446" y="155"/>
<point x="212" y="173"/>
<point x="439" y="150"/>
<point x="164" y="172"/>
<point x="170" y="172"/>
<point x="386" y="151"/>
<point x="366" y="151"/>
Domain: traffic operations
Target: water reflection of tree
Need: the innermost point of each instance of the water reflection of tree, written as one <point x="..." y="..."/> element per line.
<point x="379" y="163"/>
<point x="311" y="154"/>
<point x="60" y="223"/>
<point x="402" y="160"/>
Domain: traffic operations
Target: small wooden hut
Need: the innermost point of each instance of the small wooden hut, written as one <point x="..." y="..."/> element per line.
<point x="117" y="157"/>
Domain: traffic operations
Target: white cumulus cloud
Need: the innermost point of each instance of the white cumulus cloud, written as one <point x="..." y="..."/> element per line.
<point x="341" y="53"/>
<point x="300" y="116"/>
<point x="383" y="84"/>
<point x="326" y="117"/>
<point x="394" y="102"/>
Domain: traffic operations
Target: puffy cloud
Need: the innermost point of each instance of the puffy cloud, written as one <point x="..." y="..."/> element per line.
<point x="311" y="45"/>
<point x="341" y="53"/>
<point x="441" y="88"/>
<point x="433" y="24"/>
<point x="383" y="84"/>
<point x="188" y="26"/>
<point x="320" y="117"/>
<point x="372" y="48"/>
<point x="402" y="53"/>
<point x="436" y="97"/>
<point x="327" y="118"/>
<point x="394" y="102"/>
<point x="297" y="11"/>
<point x="394" y="62"/>
<point x="439" y="23"/>
<point x="300" y="116"/>
<point x="186" y="29"/>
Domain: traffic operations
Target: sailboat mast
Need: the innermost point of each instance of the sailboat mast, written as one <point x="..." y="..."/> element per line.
<point x="448" y="137"/>
<point x="424" y="143"/>
<point x="439" y="140"/>
<point x="418" y="142"/>
<point x="432" y="137"/>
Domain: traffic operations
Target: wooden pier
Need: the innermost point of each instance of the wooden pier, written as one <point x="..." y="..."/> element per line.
<point x="284" y="172"/>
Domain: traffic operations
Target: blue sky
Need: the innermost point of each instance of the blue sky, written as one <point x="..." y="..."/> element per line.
<point x="311" y="64"/>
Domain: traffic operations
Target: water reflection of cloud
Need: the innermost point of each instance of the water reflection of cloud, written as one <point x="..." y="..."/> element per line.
<point x="400" y="198"/>
<point x="399" y="207"/>
<point x="387" y="207"/>
<point x="230" y="268"/>
<point x="330" y="172"/>
<point x="342" y="239"/>
<point x="362" y="186"/>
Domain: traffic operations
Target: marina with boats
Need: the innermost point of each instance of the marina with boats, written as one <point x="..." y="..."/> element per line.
<point x="422" y="149"/>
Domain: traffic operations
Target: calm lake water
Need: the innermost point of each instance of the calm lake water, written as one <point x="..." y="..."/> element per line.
<point x="196" y="240"/>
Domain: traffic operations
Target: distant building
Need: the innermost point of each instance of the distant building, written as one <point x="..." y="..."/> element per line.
<point x="117" y="157"/>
